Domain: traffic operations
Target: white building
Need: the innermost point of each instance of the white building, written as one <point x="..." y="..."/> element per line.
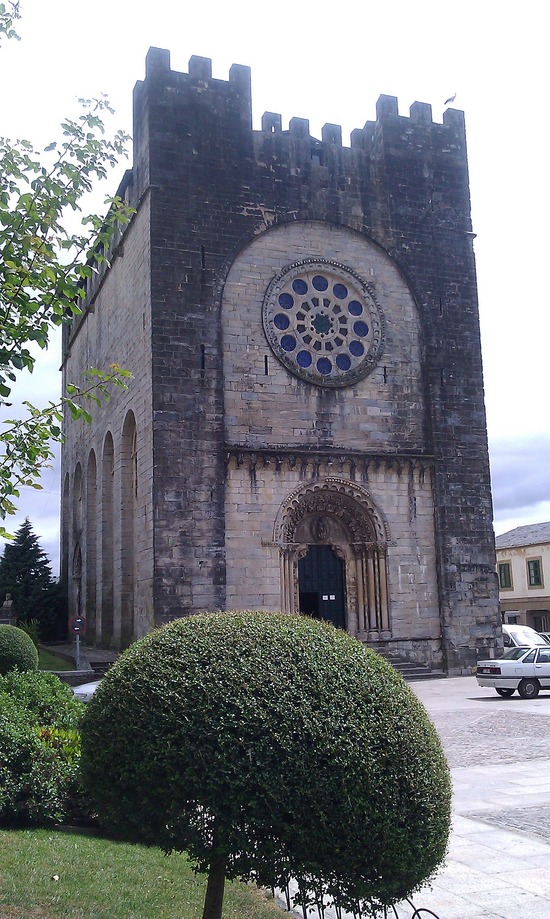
<point x="523" y="568"/>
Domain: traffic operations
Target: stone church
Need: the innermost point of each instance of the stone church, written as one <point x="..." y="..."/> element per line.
<point x="305" y="429"/>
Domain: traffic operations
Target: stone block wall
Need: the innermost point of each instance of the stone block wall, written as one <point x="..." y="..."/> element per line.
<point x="403" y="495"/>
<point x="115" y="327"/>
<point x="267" y="405"/>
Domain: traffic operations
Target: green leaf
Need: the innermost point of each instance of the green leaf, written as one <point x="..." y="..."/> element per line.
<point x="43" y="263"/>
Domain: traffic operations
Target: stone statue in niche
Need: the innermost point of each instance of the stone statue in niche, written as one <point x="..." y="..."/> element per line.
<point x="320" y="529"/>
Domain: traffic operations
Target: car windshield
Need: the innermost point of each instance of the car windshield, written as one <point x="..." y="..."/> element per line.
<point x="526" y="635"/>
<point x="513" y="654"/>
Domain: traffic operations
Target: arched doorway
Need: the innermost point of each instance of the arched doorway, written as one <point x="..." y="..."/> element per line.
<point x="321" y="591"/>
<point x="333" y="550"/>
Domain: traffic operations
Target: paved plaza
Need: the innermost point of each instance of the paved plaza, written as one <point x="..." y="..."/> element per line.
<point x="499" y="752"/>
<point x="498" y="865"/>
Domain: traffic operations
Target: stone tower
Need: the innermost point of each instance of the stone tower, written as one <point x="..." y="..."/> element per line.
<point x="306" y="428"/>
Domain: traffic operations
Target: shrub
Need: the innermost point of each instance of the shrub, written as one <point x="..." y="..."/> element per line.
<point x="47" y="701"/>
<point x="39" y="751"/>
<point x="36" y="782"/>
<point x="17" y="651"/>
<point x="270" y="746"/>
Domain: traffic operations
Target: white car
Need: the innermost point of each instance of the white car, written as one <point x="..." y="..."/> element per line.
<point x="521" y="636"/>
<point x="524" y="669"/>
<point x="85" y="691"/>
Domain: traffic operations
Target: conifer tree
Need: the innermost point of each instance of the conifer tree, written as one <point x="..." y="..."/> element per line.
<point x="25" y="573"/>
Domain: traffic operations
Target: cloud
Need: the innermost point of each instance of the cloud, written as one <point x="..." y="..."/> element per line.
<point x="41" y="506"/>
<point x="520" y="472"/>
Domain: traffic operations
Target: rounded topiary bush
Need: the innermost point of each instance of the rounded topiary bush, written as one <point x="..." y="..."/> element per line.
<point x="17" y="650"/>
<point x="270" y="746"/>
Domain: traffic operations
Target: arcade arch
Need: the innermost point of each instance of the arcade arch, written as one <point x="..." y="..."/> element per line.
<point x="107" y="540"/>
<point x="128" y="527"/>
<point x="91" y="545"/>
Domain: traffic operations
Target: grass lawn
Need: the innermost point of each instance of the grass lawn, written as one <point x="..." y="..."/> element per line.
<point x="111" y="880"/>
<point x="49" y="661"/>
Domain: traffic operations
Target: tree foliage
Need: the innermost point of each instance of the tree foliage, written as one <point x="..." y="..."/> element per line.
<point x="8" y="15"/>
<point x="270" y="747"/>
<point x="26" y="574"/>
<point x="49" y="247"/>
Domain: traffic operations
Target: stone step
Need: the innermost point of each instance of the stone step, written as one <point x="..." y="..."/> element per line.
<point x="411" y="670"/>
<point x="100" y="667"/>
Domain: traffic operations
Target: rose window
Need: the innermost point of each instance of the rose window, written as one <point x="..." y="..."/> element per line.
<point x="323" y="323"/>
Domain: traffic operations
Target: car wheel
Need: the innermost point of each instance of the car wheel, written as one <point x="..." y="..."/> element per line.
<point x="529" y="689"/>
<point x="506" y="693"/>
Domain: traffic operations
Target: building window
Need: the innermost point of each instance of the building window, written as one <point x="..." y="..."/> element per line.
<point x="505" y="576"/>
<point x="323" y="323"/>
<point x="541" y="620"/>
<point x="534" y="572"/>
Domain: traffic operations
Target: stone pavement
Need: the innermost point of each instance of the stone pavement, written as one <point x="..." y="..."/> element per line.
<point x="498" y="866"/>
<point x="499" y="752"/>
<point x="88" y="654"/>
<point x="93" y="661"/>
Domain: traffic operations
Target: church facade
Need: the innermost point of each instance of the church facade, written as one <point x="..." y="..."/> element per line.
<point x="305" y="429"/>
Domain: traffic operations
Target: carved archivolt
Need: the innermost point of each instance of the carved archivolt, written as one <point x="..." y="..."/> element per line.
<point x="348" y="503"/>
<point x="335" y="512"/>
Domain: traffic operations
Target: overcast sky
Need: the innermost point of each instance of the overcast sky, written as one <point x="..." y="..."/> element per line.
<point x="329" y="63"/>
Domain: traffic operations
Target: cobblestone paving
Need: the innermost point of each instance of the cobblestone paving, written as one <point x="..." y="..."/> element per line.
<point x="532" y="820"/>
<point x="495" y="738"/>
<point x="471" y="739"/>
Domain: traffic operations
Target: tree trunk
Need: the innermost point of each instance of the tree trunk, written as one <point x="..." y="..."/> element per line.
<point x="213" y="900"/>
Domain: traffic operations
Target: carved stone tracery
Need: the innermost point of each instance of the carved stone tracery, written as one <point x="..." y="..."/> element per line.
<point x="323" y="322"/>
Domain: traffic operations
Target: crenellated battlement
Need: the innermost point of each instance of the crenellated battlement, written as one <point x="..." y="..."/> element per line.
<point x="199" y="76"/>
<point x="199" y="79"/>
<point x="420" y="113"/>
<point x="193" y="121"/>
<point x="157" y="62"/>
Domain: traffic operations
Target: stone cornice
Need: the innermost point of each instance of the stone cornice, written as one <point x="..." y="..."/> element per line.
<point x="323" y="460"/>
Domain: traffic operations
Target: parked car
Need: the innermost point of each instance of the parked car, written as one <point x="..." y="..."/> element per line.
<point x="521" y="636"/>
<point x="546" y="635"/>
<point x="524" y="669"/>
<point x="85" y="691"/>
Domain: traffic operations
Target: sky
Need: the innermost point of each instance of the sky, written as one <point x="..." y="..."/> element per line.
<point x="329" y="63"/>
